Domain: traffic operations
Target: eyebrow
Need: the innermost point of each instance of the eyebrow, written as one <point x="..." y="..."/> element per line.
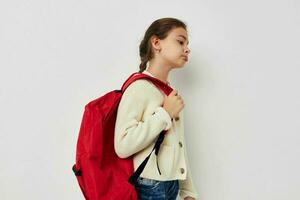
<point x="183" y="37"/>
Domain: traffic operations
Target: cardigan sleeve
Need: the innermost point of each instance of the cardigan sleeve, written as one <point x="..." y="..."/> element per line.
<point x="187" y="186"/>
<point x="131" y="133"/>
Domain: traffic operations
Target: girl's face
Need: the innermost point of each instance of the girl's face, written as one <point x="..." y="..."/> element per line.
<point x="174" y="50"/>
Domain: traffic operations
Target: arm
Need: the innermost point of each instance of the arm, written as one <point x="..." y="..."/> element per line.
<point x="131" y="133"/>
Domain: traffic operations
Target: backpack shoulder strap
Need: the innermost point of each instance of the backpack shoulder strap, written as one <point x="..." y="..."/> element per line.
<point x="158" y="83"/>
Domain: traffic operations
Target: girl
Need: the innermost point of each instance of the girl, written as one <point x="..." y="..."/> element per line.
<point x="145" y="111"/>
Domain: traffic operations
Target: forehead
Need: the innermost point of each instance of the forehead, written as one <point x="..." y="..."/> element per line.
<point x="179" y="32"/>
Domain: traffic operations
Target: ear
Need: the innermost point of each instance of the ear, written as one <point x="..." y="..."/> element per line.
<point x="155" y="43"/>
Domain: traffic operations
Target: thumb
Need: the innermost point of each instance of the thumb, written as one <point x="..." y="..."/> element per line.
<point x="173" y="92"/>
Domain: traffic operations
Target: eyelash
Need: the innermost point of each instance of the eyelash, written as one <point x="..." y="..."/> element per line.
<point x="180" y="42"/>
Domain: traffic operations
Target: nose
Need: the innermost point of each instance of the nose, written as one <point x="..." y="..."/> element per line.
<point x="187" y="50"/>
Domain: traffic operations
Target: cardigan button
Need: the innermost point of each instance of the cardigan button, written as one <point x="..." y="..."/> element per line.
<point x="182" y="170"/>
<point x="180" y="144"/>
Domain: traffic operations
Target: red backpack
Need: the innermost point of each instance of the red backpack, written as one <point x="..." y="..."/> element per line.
<point x="100" y="173"/>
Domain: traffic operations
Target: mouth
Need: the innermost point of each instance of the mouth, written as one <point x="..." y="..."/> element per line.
<point x="185" y="58"/>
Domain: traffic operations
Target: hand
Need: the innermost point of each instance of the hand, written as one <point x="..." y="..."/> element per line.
<point x="189" y="198"/>
<point x="173" y="104"/>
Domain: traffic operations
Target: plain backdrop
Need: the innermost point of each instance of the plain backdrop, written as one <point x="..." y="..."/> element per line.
<point x="240" y="87"/>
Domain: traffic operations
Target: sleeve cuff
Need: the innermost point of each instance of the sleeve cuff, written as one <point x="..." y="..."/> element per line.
<point x="165" y="116"/>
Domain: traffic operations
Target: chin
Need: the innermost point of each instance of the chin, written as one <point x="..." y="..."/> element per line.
<point x="181" y="65"/>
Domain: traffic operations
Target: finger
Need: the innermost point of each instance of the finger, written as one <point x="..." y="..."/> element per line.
<point x="172" y="93"/>
<point x="175" y="92"/>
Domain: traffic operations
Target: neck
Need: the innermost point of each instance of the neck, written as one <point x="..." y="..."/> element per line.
<point x="159" y="71"/>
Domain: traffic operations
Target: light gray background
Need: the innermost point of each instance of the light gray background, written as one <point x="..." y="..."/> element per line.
<point x="240" y="86"/>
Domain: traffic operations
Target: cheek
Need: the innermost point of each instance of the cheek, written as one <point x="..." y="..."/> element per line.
<point x="173" y="51"/>
<point x="171" y="55"/>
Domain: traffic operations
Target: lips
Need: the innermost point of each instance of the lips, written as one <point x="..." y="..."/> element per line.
<point x="185" y="58"/>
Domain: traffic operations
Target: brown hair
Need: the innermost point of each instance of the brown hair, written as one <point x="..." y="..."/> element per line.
<point x="160" y="28"/>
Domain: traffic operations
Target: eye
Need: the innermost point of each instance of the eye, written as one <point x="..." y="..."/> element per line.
<point x="180" y="42"/>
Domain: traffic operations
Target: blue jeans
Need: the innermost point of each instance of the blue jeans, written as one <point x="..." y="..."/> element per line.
<point x="156" y="190"/>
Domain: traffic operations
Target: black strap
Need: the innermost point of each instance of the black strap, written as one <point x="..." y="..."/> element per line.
<point x="133" y="178"/>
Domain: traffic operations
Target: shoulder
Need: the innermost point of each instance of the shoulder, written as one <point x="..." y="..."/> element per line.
<point x="144" y="90"/>
<point x="141" y="86"/>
